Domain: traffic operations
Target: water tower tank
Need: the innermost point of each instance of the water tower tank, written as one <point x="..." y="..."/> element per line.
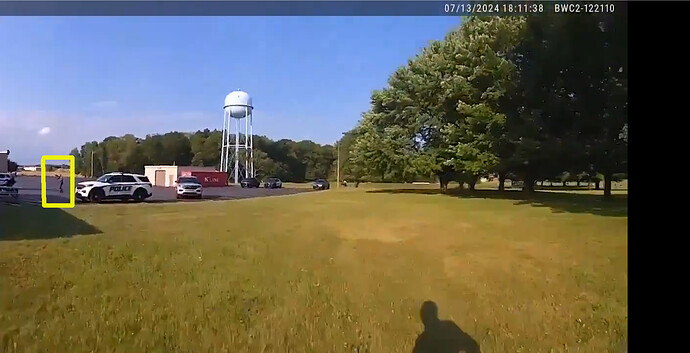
<point x="239" y="104"/>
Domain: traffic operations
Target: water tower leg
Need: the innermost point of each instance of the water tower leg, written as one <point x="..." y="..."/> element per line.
<point x="228" y="145"/>
<point x="237" y="150"/>
<point x="251" y="145"/>
<point x="222" y="146"/>
<point x="246" y="144"/>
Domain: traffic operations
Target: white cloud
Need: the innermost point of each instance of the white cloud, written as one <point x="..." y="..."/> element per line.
<point x="44" y="131"/>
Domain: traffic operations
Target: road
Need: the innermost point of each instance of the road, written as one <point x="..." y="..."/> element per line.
<point x="31" y="192"/>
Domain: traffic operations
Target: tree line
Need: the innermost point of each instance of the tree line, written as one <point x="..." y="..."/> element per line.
<point x="285" y="159"/>
<point x="529" y="98"/>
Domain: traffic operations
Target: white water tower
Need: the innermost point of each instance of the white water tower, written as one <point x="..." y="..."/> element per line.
<point x="237" y="154"/>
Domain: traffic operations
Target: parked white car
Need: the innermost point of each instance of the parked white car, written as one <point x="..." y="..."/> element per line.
<point x="6" y="183"/>
<point x="6" y="179"/>
<point x="122" y="186"/>
<point x="188" y="186"/>
<point x="517" y="183"/>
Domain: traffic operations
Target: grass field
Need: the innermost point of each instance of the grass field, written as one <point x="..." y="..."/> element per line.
<point x="335" y="271"/>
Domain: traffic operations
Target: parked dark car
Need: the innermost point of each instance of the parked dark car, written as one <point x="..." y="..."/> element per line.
<point x="273" y="183"/>
<point x="250" y="183"/>
<point x="321" y="184"/>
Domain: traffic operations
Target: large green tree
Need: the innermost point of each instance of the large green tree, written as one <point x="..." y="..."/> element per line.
<point x="368" y="153"/>
<point x="205" y="148"/>
<point x="527" y="98"/>
<point x="438" y="114"/>
<point x="479" y="75"/>
<point x="568" y="106"/>
<point x="178" y="149"/>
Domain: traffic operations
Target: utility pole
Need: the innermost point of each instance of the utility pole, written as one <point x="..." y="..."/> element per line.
<point x="338" y="166"/>
<point x="91" y="164"/>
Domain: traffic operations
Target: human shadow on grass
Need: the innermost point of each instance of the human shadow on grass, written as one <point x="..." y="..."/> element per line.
<point x="558" y="202"/>
<point x="29" y="222"/>
<point x="442" y="336"/>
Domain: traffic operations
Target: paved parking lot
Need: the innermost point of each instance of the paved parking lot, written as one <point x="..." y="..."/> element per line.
<point x="31" y="192"/>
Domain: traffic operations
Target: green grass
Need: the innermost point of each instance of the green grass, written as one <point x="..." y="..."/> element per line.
<point x="335" y="271"/>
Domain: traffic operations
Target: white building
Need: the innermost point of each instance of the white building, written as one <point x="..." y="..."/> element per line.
<point x="3" y="161"/>
<point x="166" y="175"/>
<point x="161" y="175"/>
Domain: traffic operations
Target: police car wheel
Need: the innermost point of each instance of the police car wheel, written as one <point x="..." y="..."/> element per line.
<point x="96" y="195"/>
<point x="139" y="195"/>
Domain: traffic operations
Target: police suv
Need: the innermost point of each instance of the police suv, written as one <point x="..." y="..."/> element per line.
<point x="122" y="186"/>
<point x="6" y="179"/>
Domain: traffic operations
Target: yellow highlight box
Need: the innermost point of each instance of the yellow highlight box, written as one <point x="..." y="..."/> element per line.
<point x="44" y="200"/>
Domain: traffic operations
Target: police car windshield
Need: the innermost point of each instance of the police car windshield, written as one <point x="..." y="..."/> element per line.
<point x="103" y="178"/>
<point x="188" y="180"/>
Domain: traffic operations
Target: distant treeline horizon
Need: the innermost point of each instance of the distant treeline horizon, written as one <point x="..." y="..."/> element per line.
<point x="286" y="159"/>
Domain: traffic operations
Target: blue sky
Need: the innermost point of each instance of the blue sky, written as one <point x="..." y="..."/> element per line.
<point x="65" y="81"/>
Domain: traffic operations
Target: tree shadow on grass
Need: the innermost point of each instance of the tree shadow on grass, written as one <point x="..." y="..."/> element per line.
<point x="28" y="222"/>
<point x="572" y="188"/>
<point x="442" y="336"/>
<point x="156" y="201"/>
<point x="190" y="199"/>
<point x="558" y="202"/>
